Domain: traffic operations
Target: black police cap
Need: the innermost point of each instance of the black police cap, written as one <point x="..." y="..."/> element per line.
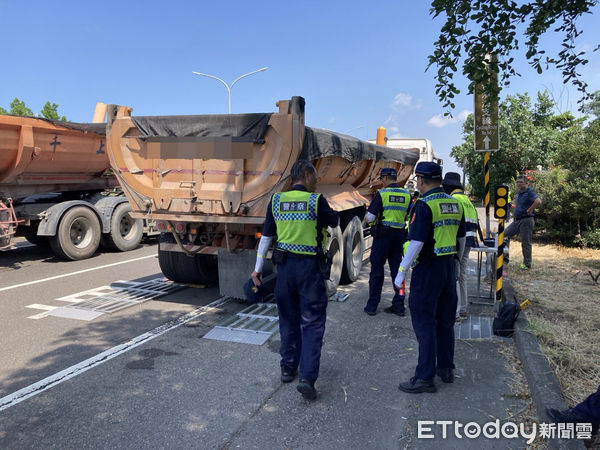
<point x="388" y="172"/>
<point x="452" y="179"/>
<point x="430" y="170"/>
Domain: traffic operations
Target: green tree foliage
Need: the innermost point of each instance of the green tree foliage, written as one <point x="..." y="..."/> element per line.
<point x="593" y="106"/>
<point x="18" y="108"/>
<point x="528" y="136"/>
<point x="50" y="111"/>
<point x="474" y="28"/>
<point x="564" y="154"/>
<point x="571" y="210"/>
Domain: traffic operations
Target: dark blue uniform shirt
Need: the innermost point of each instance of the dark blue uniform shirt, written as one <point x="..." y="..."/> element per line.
<point x="326" y="217"/>
<point x="421" y="226"/>
<point x="523" y="201"/>
<point x="376" y="206"/>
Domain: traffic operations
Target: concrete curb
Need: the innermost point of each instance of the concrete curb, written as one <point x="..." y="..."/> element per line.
<point x="543" y="385"/>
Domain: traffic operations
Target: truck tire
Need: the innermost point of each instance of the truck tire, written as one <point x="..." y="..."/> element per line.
<point x="354" y="245"/>
<point x="78" y="234"/>
<point x="125" y="231"/>
<point x="335" y="242"/>
<point x="181" y="268"/>
<point x="208" y="269"/>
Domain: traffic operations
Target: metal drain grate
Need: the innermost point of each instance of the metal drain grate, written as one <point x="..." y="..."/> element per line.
<point x="119" y="295"/>
<point x="253" y="325"/>
<point x="474" y="327"/>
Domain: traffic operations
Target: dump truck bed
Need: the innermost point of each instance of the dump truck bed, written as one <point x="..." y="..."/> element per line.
<point x="224" y="168"/>
<point x="38" y="155"/>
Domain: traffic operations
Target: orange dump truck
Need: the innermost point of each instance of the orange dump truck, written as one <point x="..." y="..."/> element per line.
<point x="53" y="188"/>
<point x="208" y="179"/>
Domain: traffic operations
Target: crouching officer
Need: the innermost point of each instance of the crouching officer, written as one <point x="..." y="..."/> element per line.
<point x="436" y="235"/>
<point x="387" y="215"/>
<point x="300" y="219"/>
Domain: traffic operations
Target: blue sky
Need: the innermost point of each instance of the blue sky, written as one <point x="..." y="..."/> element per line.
<point x="358" y="64"/>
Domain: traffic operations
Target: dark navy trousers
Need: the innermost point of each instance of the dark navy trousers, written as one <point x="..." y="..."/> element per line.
<point x="302" y="302"/>
<point x="387" y="246"/>
<point x="589" y="409"/>
<point x="432" y="303"/>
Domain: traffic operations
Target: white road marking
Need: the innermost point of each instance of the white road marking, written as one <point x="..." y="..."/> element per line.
<point x="74" y="273"/>
<point x="41" y="315"/>
<point x="53" y="380"/>
<point x="44" y="307"/>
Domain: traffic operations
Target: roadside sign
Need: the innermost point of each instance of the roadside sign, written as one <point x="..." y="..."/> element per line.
<point x="487" y="138"/>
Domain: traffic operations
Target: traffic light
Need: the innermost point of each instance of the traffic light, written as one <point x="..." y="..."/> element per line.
<point x="501" y="202"/>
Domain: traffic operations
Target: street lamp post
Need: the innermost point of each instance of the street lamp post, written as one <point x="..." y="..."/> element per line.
<point x="229" y="87"/>
<point x="354" y="129"/>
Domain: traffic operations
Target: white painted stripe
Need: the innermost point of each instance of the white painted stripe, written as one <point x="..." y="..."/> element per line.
<point x="44" y="307"/>
<point x="78" y="369"/>
<point x="39" y="316"/>
<point x="74" y="273"/>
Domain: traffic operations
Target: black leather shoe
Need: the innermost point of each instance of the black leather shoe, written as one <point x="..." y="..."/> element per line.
<point x="371" y="313"/>
<point x="287" y="374"/>
<point x="307" y="389"/>
<point x="391" y="310"/>
<point x="447" y="375"/>
<point x="416" y="386"/>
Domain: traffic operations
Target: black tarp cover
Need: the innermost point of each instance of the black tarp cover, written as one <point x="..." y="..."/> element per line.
<point x="319" y="143"/>
<point x="250" y="126"/>
<point x="98" y="128"/>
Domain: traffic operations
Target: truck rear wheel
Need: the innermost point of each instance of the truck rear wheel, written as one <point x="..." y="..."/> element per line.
<point x="181" y="268"/>
<point x="208" y="269"/>
<point x="125" y="231"/>
<point x="354" y="245"/>
<point x="335" y="243"/>
<point x="78" y="234"/>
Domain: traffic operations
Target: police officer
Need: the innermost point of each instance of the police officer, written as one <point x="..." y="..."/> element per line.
<point x="299" y="218"/>
<point x="453" y="186"/>
<point x="436" y="236"/>
<point x="387" y="216"/>
<point x="588" y="411"/>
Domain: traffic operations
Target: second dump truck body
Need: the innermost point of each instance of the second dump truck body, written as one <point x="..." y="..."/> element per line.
<point x="54" y="188"/>
<point x="208" y="179"/>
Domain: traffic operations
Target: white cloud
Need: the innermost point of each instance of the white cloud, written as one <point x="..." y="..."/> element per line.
<point x="402" y="99"/>
<point x="462" y="116"/>
<point x="440" y="121"/>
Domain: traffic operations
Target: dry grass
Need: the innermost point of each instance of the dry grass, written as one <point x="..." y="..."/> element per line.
<point x="564" y="312"/>
<point x="518" y="386"/>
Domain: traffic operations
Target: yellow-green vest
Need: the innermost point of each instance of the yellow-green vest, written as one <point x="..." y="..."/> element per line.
<point x="470" y="212"/>
<point x="446" y="214"/>
<point x="295" y="214"/>
<point x="395" y="201"/>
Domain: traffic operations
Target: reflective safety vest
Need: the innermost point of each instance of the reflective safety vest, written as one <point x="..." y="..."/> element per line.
<point x="396" y="202"/>
<point x="295" y="214"/>
<point x="446" y="214"/>
<point x="470" y="212"/>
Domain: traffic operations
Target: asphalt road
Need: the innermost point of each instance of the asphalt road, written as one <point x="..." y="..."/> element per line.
<point x="34" y="348"/>
<point x="180" y="390"/>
